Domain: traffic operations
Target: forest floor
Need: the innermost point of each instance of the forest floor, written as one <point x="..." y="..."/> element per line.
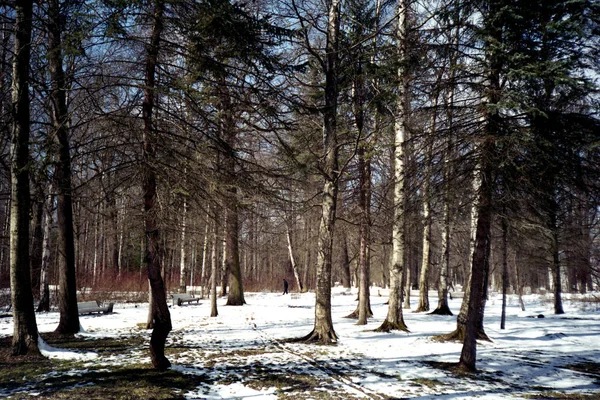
<point x="243" y="354"/>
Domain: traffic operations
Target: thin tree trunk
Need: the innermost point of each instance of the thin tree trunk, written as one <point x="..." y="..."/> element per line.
<point x="504" y="270"/>
<point x="292" y="258"/>
<point x="44" y="304"/>
<point x="25" y="336"/>
<point x="205" y="248"/>
<point x="224" y="265"/>
<point x="346" y="274"/>
<point x="37" y="242"/>
<point x="67" y="295"/>
<point x="425" y="263"/>
<point x="364" y="297"/>
<point x="159" y="309"/>
<point x="214" y="267"/>
<point x="443" y="308"/>
<point x="183" y="270"/>
<point x="558" y="307"/>
<point x="395" y="318"/>
<point x="427" y="218"/>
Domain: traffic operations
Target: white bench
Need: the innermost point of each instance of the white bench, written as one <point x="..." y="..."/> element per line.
<point x="456" y="295"/>
<point x="89" y="307"/>
<point x="180" y="298"/>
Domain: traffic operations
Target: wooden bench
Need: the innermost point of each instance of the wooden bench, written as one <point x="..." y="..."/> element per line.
<point x="89" y="307"/>
<point x="180" y="298"/>
<point x="456" y="295"/>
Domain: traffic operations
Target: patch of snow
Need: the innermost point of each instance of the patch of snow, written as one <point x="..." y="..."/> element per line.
<point x="61" y="354"/>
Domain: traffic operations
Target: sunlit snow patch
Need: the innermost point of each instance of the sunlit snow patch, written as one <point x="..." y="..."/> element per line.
<point x="51" y="352"/>
<point x="234" y="391"/>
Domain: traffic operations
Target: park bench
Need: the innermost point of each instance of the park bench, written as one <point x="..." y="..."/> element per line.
<point x="456" y="295"/>
<point x="180" y="298"/>
<point x="89" y="307"/>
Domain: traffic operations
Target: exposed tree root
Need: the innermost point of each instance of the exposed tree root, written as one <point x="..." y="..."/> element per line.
<point x="329" y="338"/>
<point x="464" y="368"/>
<point x="458" y="335"/>
<point x="354" y="314"/>
<point x="442" y="310"/>
<point x="387" y="326"/>
<point x="422" y="309"/>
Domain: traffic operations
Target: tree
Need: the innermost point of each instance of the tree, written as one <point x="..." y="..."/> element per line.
<point x="25" y="336"/>
<point x="395" y="319"/>
<point x="69" y="317"/>
<point x="323" y="331"/>
<point x="159" y="309"/>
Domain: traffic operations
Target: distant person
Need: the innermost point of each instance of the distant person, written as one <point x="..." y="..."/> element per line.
<point x="285" y="287"/>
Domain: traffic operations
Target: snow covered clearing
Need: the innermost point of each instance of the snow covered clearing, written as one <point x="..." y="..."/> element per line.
<point x="242" y="353"/>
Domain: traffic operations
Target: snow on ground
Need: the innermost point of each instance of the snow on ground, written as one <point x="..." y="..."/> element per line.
<point x="245" y="345"/>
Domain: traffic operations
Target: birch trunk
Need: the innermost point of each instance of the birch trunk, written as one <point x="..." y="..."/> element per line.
<point x="425" y="262"/>
<point x="292" y="258"/>
<point x="183" y="270"/>
<point x="395" y="319"/>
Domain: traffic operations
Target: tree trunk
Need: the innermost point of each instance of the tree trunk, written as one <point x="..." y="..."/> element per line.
<point x="395" y="318"/>
<point x="67" y="285"/>
<point x="480" y="258"/>
<point x="504" y="270"/>
<point x="346" y="274"/>
<point x="183" y="270"/>
<point x="236" y="289"/>
<point x="37" y="242"/>
<point x="364" y="203"/>
<point x="425" y="263"/>
<point x="214" y="267"/>
<point x="558" y="307"/>
<point x="25" y="336"/>
<point x="159" y="309"/>
<point x="292" y="258"/>
<point x="224" y="265"/>
<point x="323" y="328"/>
<point x="443" y="307"/>
<point x="44" y="304"/>
<point x="205" y="249"/>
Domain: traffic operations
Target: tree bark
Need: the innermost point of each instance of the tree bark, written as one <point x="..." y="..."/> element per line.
<point x="205" y="249"/>
<point x="292" y="258"/>
<point x="480" y="259"/>
<point x="443" y="308"/>
<point x="67" y="285"/>
<point x="425" y="263"/>
<point x="44" y="304"/>
<point x="183" y="270"/>
<point x="214" y="267"/>
<point x="395" y="318"/>
<point x="236" y="289"/>
<point x="37" y="244"/>
<point x="323" y="331"/>
<point x="554" y="246"/>
<point x="159" y="309"/>
<point x="504" y="270"/>
<point x="25" y="336"/>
